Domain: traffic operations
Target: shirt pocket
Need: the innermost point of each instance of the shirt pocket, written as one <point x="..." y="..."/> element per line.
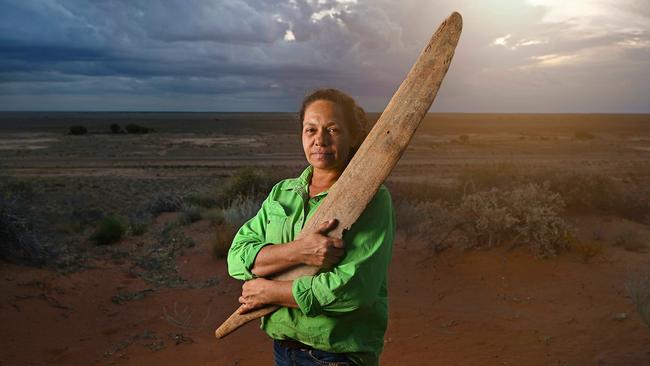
<point x="275" y="223"/>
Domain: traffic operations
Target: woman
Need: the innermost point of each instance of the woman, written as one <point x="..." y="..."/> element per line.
<point x="339" y="316"/>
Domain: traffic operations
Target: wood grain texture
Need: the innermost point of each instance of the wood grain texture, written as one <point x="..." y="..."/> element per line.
<point x="380" y="151"/>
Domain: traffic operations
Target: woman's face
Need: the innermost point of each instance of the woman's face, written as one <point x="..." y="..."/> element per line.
<point x="326" y="139"/>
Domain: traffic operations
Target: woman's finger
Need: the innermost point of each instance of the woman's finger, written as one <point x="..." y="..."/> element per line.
<point x="243" y="309"/>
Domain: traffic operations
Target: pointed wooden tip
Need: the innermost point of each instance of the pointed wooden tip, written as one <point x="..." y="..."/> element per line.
<point x="455" y="20"/>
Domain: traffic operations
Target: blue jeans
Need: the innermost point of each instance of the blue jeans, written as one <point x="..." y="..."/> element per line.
<point x="307" y="357"/>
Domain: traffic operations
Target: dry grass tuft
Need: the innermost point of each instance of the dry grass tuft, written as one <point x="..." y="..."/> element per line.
<point x="587" y="251"/>
<point x="224" y="233"/>
<point x="639" y="290"/>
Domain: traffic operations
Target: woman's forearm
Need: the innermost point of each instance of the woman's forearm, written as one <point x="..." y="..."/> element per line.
<point x="280" y="294"/>
<point x="273" y="259"/>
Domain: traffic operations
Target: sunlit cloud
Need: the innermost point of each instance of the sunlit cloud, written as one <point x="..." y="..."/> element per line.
<point x="555" y="60"/>
<point x="502" y="41"/>
<point x="289" y="36"/>
<point x="635" y="42"/>
<point x="505" y="42"/>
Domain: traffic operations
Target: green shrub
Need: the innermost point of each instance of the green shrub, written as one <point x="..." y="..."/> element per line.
<point x="77" y="130"/>
<point x="111" y="229"/>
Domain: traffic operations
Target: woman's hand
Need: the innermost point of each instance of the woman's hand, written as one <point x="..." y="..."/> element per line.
<point x="260" y="292"/>
<point x="254" y="294"/>
<point x="320" y="250"/>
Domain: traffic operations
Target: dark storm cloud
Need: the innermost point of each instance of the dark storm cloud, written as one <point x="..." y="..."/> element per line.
<point x="264" y="55"/>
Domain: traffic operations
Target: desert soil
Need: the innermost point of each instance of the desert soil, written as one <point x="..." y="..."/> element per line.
<point x="500" y="306"/>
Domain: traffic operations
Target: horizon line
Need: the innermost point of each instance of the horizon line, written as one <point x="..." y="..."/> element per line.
<point x="295" y="112"/>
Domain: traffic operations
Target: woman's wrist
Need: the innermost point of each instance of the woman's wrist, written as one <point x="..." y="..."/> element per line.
<point x="294" y="254"/>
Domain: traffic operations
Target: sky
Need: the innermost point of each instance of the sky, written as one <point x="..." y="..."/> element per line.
<point x="515" y="56"/>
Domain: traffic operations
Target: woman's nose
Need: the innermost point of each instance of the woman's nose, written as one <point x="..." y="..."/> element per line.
<point x="321" y="138"/>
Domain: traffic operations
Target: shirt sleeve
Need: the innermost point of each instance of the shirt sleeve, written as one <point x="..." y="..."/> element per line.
<point x="248" y="242"/>
<point x="355" y="282"/>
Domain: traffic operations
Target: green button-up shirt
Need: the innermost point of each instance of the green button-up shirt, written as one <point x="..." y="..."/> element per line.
<point x="344" y="310"/>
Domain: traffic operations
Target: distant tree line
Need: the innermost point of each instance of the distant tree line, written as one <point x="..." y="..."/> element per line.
<point x="114" y="128"/>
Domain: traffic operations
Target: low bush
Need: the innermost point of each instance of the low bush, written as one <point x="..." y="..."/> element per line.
<point x="214" y="215"/>
<point x="245" y="182"/>
<point x="137" y="129"/>
<point x="227" y="222"/>
<point x="630" y="241"/>
<point x="587" y="251"/>
<point x="18" y="240"/>
<point x="77" y="130"/>
<point x="433" y="222"/>
<point x="583" y="192"/>
<point x="583" y="135"/>
<point x="189" y="214"/>
<point x="165" y="203"/>
<point x="139" y="223"/>
<point x="529" y="214"/>
<point x="241" y="210"/>
<point x="115" y="128"/>
<point x="111" y="229"/>
<point x="199" y="199"/>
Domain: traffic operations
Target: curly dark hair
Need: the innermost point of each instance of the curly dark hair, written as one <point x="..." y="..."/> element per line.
<point x="355" y="117"/>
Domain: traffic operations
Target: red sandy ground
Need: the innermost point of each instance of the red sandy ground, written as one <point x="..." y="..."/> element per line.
<point x="480" y="307"/>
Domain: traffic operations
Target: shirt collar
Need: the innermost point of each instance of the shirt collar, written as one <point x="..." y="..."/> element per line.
<point x="300" y="184"/>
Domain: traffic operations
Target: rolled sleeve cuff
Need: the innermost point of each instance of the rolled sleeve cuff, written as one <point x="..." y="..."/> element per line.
<point x="248" y="260"/>
<point x="302" y="293"/>
<point x="309" y="299"/>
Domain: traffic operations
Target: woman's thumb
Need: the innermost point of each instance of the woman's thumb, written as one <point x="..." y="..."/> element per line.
<point x="326" y="226"/>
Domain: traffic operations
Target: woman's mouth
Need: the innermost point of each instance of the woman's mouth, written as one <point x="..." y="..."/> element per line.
<point x="322" y="155"/>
